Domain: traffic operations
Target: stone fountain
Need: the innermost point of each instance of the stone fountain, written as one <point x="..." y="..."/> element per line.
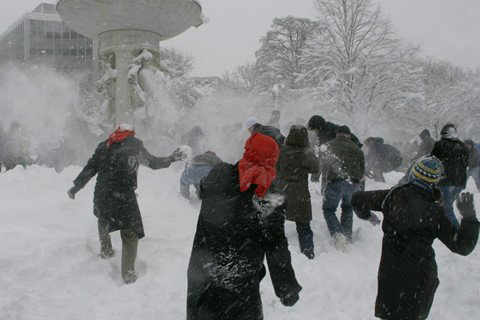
<point x="129" y="33"/>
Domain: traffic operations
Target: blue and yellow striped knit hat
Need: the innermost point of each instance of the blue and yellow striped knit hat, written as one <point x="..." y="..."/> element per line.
<point x="429" y="170"/>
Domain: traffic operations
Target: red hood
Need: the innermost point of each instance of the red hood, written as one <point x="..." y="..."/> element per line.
<point x="258" y="163"/>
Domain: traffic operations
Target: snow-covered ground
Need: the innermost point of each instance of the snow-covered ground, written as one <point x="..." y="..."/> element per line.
<point x="49" y="268"/>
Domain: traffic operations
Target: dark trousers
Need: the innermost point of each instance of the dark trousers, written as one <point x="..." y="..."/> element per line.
<point x="305" y="238"/>
<point x="336" y="191"/>
<point x="129" y="250"/>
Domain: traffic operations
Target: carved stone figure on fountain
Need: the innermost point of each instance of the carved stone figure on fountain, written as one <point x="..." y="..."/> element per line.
<point x="137" y="94"/>
<point x="107" y="86"/>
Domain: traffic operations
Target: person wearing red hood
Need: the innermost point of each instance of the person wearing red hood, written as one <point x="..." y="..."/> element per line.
<point x="241" y="221"/>
<point x="115" y="162"/>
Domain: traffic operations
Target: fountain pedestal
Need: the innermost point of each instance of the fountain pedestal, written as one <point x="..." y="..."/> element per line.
<point x="124" y="29"/>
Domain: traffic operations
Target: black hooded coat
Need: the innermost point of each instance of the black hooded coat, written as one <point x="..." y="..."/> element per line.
<point x="407" y="277"/>
<point x="427" y="144"/>
<point x="296" y="161"/>
<point x="230" y="245"/>
<point x="328" y="132"/>
<point x="454" y="156"/>
<point x="382" y="156"/>
<point x="114" y="202"/>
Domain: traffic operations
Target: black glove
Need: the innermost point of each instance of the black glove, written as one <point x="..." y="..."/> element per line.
<point x="374" y="220"/>
<point x="71" y="193"/>
<point x="315" y="178"/>
<point x="290" y="300"/>
<point x="466" y="205"/>
<point x="178" y="155"/>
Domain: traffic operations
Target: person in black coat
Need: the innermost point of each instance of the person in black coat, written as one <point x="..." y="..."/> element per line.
<point x="381" y="158"/>
<point x="473" y="161"/>
<point x="253" y="126"/>
<point x="297" y="160"/>
<point x="413" y="219"/>
<point x="116" y="162"/>
<point x="241" y="222"/>
<point x="454" y="155"/>
<point x="327" y="131"/>
<point x="427" y="144"/>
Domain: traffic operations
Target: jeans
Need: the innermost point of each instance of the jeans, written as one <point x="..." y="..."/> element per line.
<point x="192" y="175"/>
<point x="449" y="194"/>
<point x="334" y="192"/>
<point x="305" y="238"/>
<point x="475" y="174"/>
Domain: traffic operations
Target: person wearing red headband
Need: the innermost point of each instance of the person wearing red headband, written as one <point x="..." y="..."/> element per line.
<point x="241" y="221"/>
<point x="115" y="162"/>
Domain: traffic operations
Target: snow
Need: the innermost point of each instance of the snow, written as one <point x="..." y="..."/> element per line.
<point x="49" y="268"/>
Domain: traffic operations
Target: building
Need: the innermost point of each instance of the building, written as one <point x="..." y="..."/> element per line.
<point x="41" y="37"/>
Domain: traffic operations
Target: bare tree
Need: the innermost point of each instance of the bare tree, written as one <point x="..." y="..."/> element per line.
<point x="279" y="58"/>
<point x="357" y="62"/>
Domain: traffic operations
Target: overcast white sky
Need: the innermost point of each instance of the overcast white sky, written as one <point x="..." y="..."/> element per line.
<point x="444" y="28"/>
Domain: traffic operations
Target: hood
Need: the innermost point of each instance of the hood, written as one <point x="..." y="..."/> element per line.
<point x="374" y="140"/>
<point x="425" y="134"/>
<point x="298" y="137"/>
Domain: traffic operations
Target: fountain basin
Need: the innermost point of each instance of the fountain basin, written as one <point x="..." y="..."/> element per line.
<point x="164" y="18"/>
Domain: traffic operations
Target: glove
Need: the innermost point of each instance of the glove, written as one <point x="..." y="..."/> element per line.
<point x="315" y="178"/>
<point x="178" y="155"/>
<point x="374" y="220"/>
<point x="368" y="175"/>
<point x="465" y="205"/>
<point x="263" y="206"/>
<point x="71" y="193"/>
<point x="290" y="300"/>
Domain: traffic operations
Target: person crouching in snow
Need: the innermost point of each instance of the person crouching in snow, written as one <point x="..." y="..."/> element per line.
<point x="116" y="162"/>
<point x="196" y="170"/>
<point x="413" y="219"/>
<point x="241" y="221"/>
<point x="297" y="160"/>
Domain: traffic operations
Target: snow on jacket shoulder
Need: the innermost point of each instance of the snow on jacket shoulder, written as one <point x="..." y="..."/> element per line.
<point x="230" y="245"/>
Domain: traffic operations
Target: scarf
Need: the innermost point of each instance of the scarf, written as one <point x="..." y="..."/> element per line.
<point x="258" y="164"/>
<point x="120" y="134"/>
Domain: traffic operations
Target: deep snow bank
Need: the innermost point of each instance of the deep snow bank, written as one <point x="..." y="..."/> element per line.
<point x="49" y="268"/>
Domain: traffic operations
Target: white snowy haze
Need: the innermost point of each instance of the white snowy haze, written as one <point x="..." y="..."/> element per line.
<point x="39" y="99"/>
<point x="49" y="268"/>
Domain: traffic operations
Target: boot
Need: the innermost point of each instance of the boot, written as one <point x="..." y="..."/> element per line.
<point x="129" y="255"/>
<point x="106" y="250"/>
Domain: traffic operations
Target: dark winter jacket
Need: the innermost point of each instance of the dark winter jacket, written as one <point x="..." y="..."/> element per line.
<point x="296" y="161"/>
<point x="270" y="131"/>
<point x="231" y="242"/>
<point x="473" y="154"/>
<point x="382" y="156"/>
<point x="407" y="277"/>
<point x="328" y="132"/>
<point x="454" y="156"/>
<point x="115" y="202"/>
<point x="426" y="146"/>
<point x="343" y="160"/>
